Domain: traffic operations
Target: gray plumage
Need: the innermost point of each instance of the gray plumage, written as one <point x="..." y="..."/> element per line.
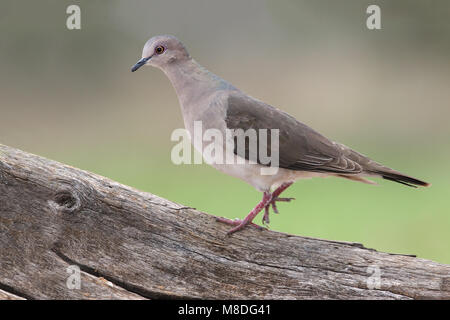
<point x="303" y="152"/>
<point x="302" y="148"/>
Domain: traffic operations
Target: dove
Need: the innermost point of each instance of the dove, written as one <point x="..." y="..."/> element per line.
<point x="301" y="151"/>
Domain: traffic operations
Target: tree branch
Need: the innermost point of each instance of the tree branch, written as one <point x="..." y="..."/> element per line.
<point x="130" y="244"/>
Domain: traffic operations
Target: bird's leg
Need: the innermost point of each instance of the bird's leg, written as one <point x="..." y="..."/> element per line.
<point x="275" y="198"/>
<point x="239" y="224"/>
<point x="265" y="219"/>
<point x="279" y="190"/>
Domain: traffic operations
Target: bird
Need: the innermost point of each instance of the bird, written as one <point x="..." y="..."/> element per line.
<point x="302" y="152"/>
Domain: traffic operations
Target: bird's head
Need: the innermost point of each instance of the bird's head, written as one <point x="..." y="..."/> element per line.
<point x="161" y="51"/>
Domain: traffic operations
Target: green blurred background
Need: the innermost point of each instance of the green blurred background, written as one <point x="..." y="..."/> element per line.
<point x="70" y="96"/>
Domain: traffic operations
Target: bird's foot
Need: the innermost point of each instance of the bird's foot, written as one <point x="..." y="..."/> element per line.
<point x="272" y="203"/>
<point x="269" y="199"/>
<point x="238" y="223"/>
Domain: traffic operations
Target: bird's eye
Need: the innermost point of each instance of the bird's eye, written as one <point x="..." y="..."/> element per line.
<point x="159" y="49"/>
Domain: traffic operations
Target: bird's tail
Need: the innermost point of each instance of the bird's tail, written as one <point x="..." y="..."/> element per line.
<point x="392" y="175"/>
<point x="406" y="180"/>
<point x="373" y="168"/>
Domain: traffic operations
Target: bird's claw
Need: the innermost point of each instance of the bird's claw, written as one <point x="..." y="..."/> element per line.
<point x="274" y="208"/>
<point x="265" y="219"/>
<point x="283" y="199"/>
<point x="238" y="223"/>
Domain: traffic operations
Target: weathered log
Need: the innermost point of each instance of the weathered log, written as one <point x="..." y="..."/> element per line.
<point x="130" y="244"/>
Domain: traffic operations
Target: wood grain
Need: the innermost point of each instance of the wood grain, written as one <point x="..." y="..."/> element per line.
<point x="131" y="244"/>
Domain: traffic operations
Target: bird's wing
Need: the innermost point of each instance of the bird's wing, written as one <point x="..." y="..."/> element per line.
<point x="300" y="147"/>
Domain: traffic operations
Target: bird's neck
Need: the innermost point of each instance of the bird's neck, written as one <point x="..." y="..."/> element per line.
<point x="193" y="83"/>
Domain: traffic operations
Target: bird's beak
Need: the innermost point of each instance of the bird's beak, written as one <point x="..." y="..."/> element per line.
<point x="140" y="63"/>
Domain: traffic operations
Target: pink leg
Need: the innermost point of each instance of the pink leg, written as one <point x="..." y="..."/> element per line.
<point x="280" y="189"/>
<point x="239" y="224"/>
<point x="275" y="198"/>
<point x="265" y="219"/>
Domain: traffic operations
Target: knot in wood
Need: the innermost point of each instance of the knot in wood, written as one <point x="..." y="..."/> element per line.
<point x="66" y="200"/>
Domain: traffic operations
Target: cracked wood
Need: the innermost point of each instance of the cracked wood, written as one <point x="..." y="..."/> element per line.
<point x="130" y="244"/>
